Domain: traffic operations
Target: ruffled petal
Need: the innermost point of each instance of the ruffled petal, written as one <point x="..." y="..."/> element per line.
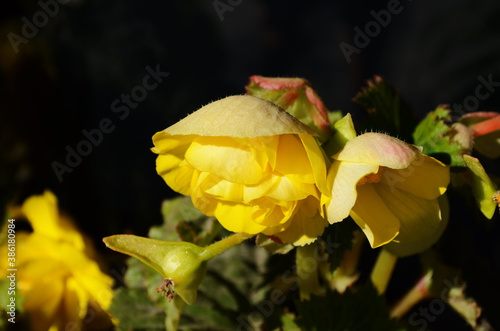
<point x="263" y="149"/>
<point x="237" y="217"/>
<point x="165" y="143"/>
<point x="419" y="218"/>
<point x="271" y="213"/>
<point x="224" y="157"/>
<point x="287" y="190"/>
<point x="305" y="226"/>
<point x="344" y="187"/>
<point x="292" y="160"/>
<point x="179" y="179"/>
<point x="253" y="192"/>
<point x="227" y="191"/>
<point x="425" y="177"/>
<point x="317" y="160"/>
<point x="379" y="149"/>
<point x="374" y="217"/>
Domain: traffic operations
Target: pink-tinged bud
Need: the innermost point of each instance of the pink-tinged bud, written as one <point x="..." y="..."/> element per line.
<point x="321" y="115"/>
<point x="485" y="127"/>
<point x="295" y="96"/>
<point x="278" y="83"/>
<point x="488" y="126"/>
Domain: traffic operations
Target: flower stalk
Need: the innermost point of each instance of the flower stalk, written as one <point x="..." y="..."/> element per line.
<point x="418" y="292"/>
<point x="220" y="246"/>
<point x="382" y="270"/>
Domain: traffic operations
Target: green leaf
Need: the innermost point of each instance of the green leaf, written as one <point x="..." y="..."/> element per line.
<point x="183" y="222"/>
<point x="134" y="310"/>
<point x="386" y="108"/>
<point x="174" y="211"/>
<point x="360" y="309"/>
<point x="436" y="138"/>
<point x="288" y="322"/>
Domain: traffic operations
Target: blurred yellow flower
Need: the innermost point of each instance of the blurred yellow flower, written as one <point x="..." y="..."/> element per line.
<point x="388" y="187"/>
<point x="250" y="164"/>
<point x="56" y="276"/>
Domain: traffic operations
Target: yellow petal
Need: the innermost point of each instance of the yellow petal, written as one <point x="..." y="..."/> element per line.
<point x="226" y="158"/>
<point x="227" y="191"/>
<point x="271" y="213"/>
<point x="292" y="160"/>
<point x="374" y="217"/>
<point x="263" y="150"/>
<point x="287" y="190"/>
<point x="306" y="225"/>
<point x="42" y="212"/>
<point x="317" y="160"/>
<point x="425" y="177"/>
<point x="165" y="143"/>
<point x="241" y="116"/>
<point x="179" y="179"/>
<point x="253" y="192"/>
<point x="43" y="301"/>
<point x="379" y="149"/>
<point x="403" y="249"/>
<point x="419" y="218"/>
<point x="75" y="302"/>
<point x="237" y="217"/>
<point x="344" y="188"/>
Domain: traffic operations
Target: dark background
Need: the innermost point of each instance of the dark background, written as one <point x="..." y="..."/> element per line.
<point x="65" y="78"/>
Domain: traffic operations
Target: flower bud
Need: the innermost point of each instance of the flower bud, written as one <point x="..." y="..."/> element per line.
<point x="296" y="97"/>
<point x="181" y="263"/>
<point x="485" y="127"/>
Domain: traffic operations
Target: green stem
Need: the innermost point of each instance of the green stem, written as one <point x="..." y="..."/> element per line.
<point x="382" y="271"/>
<point x="347" y="272"/>
<point x="173" y="314"/>
<point x="349" y="264"/>
<point x="218" y="247"/>
<point x="308" y="261"/>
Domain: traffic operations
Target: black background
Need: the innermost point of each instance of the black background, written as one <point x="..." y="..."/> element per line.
<point x="65" y="78"/>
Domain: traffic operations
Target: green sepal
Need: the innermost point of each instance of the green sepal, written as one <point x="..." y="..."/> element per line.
<point x="343" y="131"/>
<point x="483" y="188"/>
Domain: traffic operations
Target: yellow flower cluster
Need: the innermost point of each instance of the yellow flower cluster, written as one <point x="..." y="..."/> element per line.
<point x="59" y="281"/>
<point x="257" y="169"/>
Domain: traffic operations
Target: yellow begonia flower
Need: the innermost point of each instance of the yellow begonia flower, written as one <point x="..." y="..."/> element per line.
<point x="388" y="187"/>
<point x="250" y="164"/>
<point x="57" y="278"/>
